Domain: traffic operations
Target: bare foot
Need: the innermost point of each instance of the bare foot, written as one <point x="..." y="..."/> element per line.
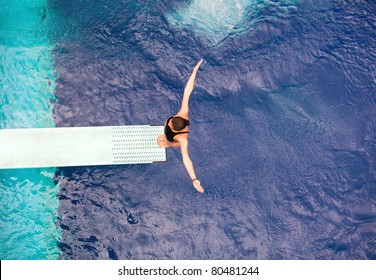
<point x="162" y="142"/>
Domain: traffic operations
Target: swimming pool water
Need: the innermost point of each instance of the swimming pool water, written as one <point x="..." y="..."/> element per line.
<point x="282" y="136"/>
<point x="28" y="197"/>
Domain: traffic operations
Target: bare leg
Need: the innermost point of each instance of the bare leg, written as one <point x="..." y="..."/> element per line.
<point x="164" y="143"/>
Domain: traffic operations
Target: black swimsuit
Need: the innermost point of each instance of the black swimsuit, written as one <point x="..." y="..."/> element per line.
<point x="170" y="134"/>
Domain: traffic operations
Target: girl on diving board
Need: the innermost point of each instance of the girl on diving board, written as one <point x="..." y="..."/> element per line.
<point x="176" y="130"/>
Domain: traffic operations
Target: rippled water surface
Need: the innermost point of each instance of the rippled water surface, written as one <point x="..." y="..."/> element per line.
<point x="282" y="136"/>
<point x="28" y="203"/>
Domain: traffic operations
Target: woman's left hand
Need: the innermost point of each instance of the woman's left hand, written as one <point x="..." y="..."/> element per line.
<point x="198" y="65"/>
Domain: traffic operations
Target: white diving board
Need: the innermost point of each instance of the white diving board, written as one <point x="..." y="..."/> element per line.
<point x="80" y="146"/>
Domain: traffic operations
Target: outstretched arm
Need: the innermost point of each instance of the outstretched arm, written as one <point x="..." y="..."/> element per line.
<point x="189" y="165"/>
<point x="188" y="90"/>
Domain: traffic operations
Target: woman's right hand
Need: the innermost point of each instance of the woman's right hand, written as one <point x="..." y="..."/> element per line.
<point x="197" y="186"/>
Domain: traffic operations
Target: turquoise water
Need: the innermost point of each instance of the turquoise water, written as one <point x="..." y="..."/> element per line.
<point x="28" y="197"/>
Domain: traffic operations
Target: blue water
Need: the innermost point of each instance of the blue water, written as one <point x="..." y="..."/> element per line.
<point x="282" y="137"/>
<point x="28" y="198"/>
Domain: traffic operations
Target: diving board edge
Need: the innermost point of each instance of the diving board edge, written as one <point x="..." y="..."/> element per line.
<point x="80" y="146"/>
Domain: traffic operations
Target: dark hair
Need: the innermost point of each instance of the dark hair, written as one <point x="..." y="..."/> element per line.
<point x="179" y="123"/>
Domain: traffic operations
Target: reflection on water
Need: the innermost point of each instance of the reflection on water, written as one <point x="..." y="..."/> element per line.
<point x="216" y="20"/>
